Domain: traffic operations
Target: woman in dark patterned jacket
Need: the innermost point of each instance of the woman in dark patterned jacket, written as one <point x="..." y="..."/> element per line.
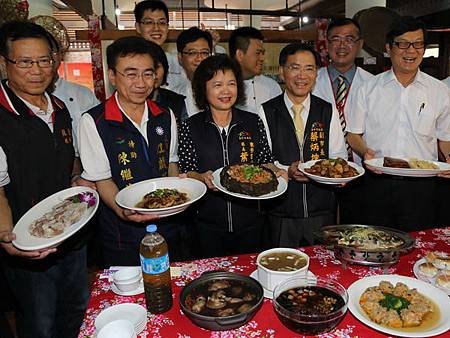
<point x="217" y="136"/>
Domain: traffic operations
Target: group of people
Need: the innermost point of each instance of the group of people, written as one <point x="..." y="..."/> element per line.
<point x="189" y="114"/>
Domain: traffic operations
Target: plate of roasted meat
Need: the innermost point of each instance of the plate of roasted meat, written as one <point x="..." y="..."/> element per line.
<point x="164" y="196"/>
<point x="55" y="218"/>
<point x="331" y="171"/>
<point x="249" y="181"/>
<point x="411" y="167"/>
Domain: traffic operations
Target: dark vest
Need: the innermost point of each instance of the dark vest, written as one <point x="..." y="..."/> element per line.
<point x="169" y="99"/>
<point x="300" y="200"/>
<point x="39" y="162"/>
<point x="131" y="161"/>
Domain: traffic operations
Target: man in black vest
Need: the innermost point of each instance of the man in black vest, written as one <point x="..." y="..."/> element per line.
<point x="301" y="127"/>
<point x="36" y="160"/>
<point x="125" y="140"/>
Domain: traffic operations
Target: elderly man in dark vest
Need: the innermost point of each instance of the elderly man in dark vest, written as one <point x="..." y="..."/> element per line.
<point x="125" y="140"/>
<point x="36" y="161"/>
<point x="301" y="127"/>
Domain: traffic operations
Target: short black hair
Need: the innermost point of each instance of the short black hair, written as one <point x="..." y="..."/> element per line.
<point x="160" y="58"/>
<point x="129" y="45"/>
<point x="402" y="25"/>
<point x="191" y="35"/>
<point x="295" y="47"/>
<point x="206" y="71"/>
<point x="339" y="22"/>
<point x="240" y="39"/>
<point x="152" y="5"/>
<point x="17" y="30"/>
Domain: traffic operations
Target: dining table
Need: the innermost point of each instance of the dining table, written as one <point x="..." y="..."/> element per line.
<point x="174" y="323"/>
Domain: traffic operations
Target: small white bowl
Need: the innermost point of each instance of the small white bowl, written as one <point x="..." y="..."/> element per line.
<point x="120" y="328"/>
<point x="128" y="278"/>
<point x="269" y="279"/>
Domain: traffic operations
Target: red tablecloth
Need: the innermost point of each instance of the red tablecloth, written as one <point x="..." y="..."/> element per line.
<point x="265" y="323"/>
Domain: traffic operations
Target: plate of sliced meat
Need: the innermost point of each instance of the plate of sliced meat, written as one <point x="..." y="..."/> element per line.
<point x="411" y="167"/>
<point x="55" y="218"/>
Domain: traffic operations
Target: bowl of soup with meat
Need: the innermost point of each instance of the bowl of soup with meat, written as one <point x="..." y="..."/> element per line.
<point x="278" y="264"/>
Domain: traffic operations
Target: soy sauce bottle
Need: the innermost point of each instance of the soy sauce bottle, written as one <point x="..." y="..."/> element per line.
<point x="155" y="271"/>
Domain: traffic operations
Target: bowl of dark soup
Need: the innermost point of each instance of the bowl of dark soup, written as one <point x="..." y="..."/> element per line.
<point x="310" y="306"/>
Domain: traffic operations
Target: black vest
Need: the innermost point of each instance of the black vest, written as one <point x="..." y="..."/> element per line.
<point x="169" y="99"/>
<point x="300" y="200"/>
<point x="39" y="162"/>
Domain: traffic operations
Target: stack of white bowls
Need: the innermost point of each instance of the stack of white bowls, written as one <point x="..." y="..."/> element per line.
<point x="134" y="313"/>
<point x="128" y="278"/>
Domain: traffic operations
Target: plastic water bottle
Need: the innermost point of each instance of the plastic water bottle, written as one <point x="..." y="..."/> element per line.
<point x="156" y="271"/>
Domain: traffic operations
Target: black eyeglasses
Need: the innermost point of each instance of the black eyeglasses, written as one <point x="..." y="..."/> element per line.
<point x="160" y="23"/>
<point x="28" y="63"/>
<point x="195" y="53"/>
<point x="148" y="75"/>
<point x="407" y="44"/>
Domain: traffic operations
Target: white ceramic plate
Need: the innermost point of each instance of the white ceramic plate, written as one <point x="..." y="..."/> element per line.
<point x="421" y="276"/>
<point x="138" y="291"/>
<point x="282" y="186"/>
<point x="436" y="295"/>
<point x="268" y="293"/>
<point x="128" y="197"/>
<point x="329" y="180"/>
<point x="377" y="163"/>
<point x="134" y="313"/>
<point x="25" y="241"/>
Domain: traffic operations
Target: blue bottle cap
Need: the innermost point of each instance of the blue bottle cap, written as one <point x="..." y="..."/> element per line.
<point x="151" y="228"/>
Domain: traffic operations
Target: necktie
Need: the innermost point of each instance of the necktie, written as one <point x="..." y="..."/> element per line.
<point x="341" y="98"/>
<point x="298" y="122"/>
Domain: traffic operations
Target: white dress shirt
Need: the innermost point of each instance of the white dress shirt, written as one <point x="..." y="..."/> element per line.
<point x="258" y="90"/>
<point x="336" y="142"/>
<point x="78" y="99"/>
<point x="179" y="83"/>
<point x="96" y="165"/>
<point x="45" y="116"/>
<point x="402" y="122"/>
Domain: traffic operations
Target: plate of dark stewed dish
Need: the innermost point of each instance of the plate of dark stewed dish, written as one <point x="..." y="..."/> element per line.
<point x="331" y="171"/>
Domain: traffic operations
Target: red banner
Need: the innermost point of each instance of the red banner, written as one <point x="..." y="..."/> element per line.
<point x="96" y="55"/>
<point x="321" y="44"/>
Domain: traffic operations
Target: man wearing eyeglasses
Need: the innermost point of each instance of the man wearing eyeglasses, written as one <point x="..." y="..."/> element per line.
<point x="125" y="140"/>
<point x="300" y="127"/>
<point x="401" y="113"/>
<point x="193" y="46"/>
<point x="338" y="84"/>
<point x="36" y="161"/>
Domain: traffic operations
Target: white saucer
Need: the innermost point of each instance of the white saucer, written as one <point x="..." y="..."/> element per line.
<point x="137" y="291"/>
<point x="268" y="293"/>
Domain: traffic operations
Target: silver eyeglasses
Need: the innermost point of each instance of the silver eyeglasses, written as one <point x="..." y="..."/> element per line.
<point x="346" y="40"/>
<point x="28" y="63"/>
<point x="195" y="53"/>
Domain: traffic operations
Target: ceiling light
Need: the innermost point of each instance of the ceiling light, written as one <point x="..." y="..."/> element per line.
<point x="118" y="11"/>
<point x="305" y="19"/>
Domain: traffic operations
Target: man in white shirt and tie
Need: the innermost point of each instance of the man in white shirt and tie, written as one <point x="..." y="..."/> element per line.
<point x="338" y="84"/>
<point x="401" y="113"/>
<point x="301" y="127"/>
<point x="247" y="48"/>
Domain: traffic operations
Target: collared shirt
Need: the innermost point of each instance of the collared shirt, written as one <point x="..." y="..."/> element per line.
<point x="336" y="142"/>
<point x="179" y="83"/>
<point x="93" y="154"/>
<point x="78" y="99"/>
<point x="348" y="76"/>
<point x="402" y="122"/>
<point x="258" y="90"/>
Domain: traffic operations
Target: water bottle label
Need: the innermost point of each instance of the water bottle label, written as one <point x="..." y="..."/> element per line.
<point x="153" y="266"/>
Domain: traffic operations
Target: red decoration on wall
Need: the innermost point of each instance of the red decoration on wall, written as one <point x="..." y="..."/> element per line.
<point x="96" y="56"/>
<point x="321" y="45"/>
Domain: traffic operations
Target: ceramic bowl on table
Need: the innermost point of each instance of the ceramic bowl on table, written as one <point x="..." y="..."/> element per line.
<point x="298" y="303"/>
<point x="295" y="264"/>
<point x="120" y="328"/>
<point x="127" y="278"/>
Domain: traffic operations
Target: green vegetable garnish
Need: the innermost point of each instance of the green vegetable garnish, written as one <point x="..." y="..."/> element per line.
<point x="250" y="171"/>
<point x="394" y="302"/>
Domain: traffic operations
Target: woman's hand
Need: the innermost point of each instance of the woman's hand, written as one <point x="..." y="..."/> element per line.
<point x="134" y="216"/>
<point x="282" y="173"/>
<point x="205" y="177"/>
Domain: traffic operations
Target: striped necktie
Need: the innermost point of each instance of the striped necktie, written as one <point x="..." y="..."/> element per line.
<point x="298" y="122"/>
<point x="341" y="98"/>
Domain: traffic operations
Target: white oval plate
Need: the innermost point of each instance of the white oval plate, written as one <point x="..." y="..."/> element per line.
<point x="436" y="295"/>
<point x="268" y="293"/>
<point x="282" y="186"/>
<point x="25" y="241"/>
<point x="422" y="277"/>
<point x="377" y="163"/>
<point x="329" y="180"/>
<point x="130" y="196"/>
<point x="134" y="313"/>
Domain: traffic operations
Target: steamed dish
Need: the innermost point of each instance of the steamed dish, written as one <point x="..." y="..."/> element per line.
<point x="397" y="306"/>
<point x="367" y="238"/>
<point x="248" y="179"/>
<point x="162" y="198"/>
